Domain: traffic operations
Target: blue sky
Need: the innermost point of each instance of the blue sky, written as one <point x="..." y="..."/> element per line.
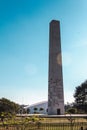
<point x="24" y="45"/>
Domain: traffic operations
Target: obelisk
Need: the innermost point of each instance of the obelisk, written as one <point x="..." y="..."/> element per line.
<point x="55" y="79"/>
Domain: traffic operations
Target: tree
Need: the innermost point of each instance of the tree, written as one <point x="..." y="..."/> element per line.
<point x="28" y="110"/>
<point x="72" y="111"/>
<point x="8" y="106"/>
<point x="80" y="96"/>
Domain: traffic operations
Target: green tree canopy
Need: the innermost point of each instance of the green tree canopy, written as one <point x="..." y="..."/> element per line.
<point x="80" y="96"/>
<point x="8" y="106"/>
<point x="72" y="111"/>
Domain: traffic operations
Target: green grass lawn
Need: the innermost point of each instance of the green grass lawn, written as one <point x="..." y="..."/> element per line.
<point x="36" y="123"/>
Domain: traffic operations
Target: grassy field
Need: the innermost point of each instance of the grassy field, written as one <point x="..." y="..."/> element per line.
<point x="36" y="123"/>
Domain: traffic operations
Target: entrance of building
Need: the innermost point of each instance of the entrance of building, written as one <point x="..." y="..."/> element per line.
<point x="58" y="111"/>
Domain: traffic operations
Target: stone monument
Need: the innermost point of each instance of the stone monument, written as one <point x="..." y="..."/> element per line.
<point x="55" y="79"/>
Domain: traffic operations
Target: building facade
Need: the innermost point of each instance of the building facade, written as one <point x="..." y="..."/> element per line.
<point x="37" y="108"/>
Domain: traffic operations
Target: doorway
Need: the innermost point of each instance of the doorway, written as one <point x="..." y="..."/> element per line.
<point x="58" y="111"/>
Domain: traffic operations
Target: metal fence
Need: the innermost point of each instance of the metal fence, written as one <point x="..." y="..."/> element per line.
<point x="66" y="122"/>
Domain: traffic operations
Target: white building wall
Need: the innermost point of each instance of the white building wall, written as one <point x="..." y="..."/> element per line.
<point x="40" y="105"/>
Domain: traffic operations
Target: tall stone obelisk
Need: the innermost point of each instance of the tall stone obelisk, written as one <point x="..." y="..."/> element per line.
<point x="55" y="83"/>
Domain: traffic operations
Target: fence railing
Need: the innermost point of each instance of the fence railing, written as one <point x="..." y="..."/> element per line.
<point x="44" y="122"/>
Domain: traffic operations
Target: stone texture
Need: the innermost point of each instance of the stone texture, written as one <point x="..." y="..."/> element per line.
<point x="55" y="83"/>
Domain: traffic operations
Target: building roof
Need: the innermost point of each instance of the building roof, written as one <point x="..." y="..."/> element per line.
<point x="36" y="104"/>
